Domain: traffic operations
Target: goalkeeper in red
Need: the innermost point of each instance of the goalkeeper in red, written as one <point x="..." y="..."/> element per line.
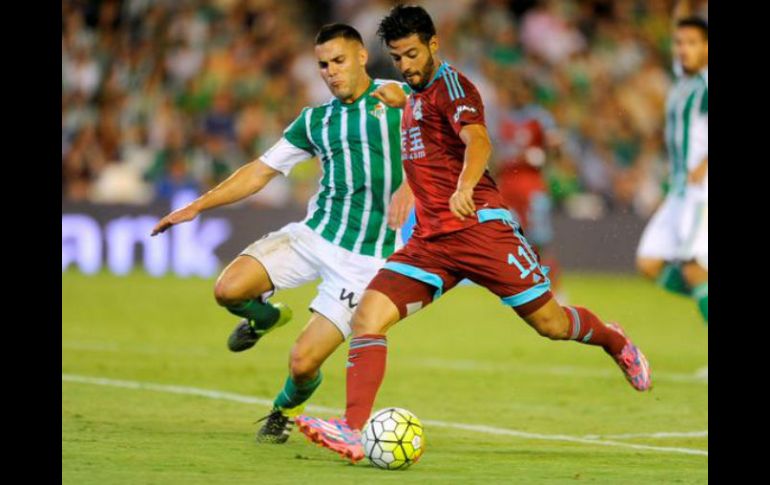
<point x="463" y="231"/>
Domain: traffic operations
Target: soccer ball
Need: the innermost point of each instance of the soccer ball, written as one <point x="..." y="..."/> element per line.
<point x="393" y="439"/>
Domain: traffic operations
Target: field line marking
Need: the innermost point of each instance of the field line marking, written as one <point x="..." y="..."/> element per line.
<point x="453" y="364"/>
<point x="559" y="437"/>
<point x="230" y="396"/>
<point x="661" y="434"/>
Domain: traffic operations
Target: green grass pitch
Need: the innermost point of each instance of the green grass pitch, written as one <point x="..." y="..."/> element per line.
<point x="552" y="412"/>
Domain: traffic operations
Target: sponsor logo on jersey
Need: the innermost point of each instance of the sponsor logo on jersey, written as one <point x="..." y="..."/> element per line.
<point x="462" y="108"/>
<point x="412" y="146"/>
<point x="417" y="110"/>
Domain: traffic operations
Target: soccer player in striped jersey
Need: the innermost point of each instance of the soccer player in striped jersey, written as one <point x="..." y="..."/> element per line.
<point x="463" y="230"/>
<point x="350" y="226"/>
<point x="673" y="249"/>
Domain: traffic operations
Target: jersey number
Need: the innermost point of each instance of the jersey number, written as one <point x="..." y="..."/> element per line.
<point x="530" y="258"/>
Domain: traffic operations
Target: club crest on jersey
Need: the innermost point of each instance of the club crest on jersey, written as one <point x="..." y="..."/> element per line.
<point x="462" y="108"/>
<point x="378" y="111"/>
<point x="417" y="110"/>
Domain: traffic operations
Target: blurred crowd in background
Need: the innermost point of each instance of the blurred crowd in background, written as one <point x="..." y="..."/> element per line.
<point x="164" y="95"/>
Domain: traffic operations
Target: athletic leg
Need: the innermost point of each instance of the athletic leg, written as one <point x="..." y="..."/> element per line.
<point x="240" y="289"/>
<point x="267" y="265"/>
<point x="509" y="268"/>
<point x="318" y="340"/>
<point x="406" y="284"/>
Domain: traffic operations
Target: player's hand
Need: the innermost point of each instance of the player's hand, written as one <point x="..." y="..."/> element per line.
<point x="400" y="205"/>
<point x="391" y="94"/>
<point x="184" y="214"/>
<point x="461" y="203"/>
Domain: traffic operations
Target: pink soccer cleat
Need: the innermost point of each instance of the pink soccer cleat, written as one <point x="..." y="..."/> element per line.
<point x="334" y="434"/>
<point x="633" y="363"/>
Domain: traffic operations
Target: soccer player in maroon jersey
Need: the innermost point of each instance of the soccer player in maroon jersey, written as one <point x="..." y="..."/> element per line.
<point x="463" y="231"/>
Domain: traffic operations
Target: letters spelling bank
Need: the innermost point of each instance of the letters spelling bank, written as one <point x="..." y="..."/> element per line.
<point x="186" y="249"/>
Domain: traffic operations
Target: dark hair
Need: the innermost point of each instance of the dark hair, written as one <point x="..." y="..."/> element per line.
<point x="405" y="20"/>
<point x="695" y="22"/>
<point x="333" y="31"/>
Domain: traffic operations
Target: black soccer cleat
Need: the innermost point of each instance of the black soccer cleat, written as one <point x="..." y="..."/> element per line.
<point x="276" y="429"/>
<point x="245" y="336"/>
<point x="242" y="337"/>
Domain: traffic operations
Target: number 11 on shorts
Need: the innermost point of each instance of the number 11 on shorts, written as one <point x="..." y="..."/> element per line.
<point x="532" y="263"/>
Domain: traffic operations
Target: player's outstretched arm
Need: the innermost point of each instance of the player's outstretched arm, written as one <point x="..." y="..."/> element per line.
<point x="478" y="149"/>
<point x="247" y="180"/>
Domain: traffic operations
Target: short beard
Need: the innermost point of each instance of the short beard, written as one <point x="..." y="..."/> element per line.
<point x="427" y="74"/>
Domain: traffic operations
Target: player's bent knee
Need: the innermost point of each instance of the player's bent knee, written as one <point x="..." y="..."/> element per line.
<point x="226" y="293"/>
<point x="243" y="279"/>
<point x="222" y="293"/>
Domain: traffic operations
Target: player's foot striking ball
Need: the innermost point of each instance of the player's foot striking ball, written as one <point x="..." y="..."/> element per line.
<point x="463" y="231"/>
<point x="334" y="434"/>
<point x="393" y="438"/>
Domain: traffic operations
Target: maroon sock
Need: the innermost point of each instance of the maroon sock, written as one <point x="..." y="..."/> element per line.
<point x="365" y="369"/>
<point x="586" y="327"/>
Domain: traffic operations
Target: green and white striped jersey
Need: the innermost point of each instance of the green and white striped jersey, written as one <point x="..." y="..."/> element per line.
<point x="687" y="127"/>
<point x="359" y="147"/>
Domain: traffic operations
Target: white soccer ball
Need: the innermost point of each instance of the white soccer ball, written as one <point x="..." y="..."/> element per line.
<point x="393" y="439"/>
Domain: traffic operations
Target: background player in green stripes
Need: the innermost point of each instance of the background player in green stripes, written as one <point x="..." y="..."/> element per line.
<point x="674" y="247"/>
<point x="349" y="229"/>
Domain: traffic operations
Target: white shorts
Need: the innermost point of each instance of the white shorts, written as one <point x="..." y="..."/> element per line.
<point x="679" y="230"/>
<point x="295" y="255"/>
